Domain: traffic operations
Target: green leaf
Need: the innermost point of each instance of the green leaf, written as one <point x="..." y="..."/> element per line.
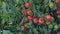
<point x="0" y="2"/>
<point x="7" y="32"/>
<point x="35" y="31"/>
<point x="4" y="5"/>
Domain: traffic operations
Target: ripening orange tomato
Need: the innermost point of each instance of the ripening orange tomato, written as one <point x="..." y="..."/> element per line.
<point x="22" y="11"/>
<point x="40" y="21"/>
<point x="29" y="12"/>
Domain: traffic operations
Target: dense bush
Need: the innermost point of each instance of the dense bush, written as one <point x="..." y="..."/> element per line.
<point x="29" y="16"/>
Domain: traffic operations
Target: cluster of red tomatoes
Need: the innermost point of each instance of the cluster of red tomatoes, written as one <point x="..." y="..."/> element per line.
<point x="38" y="20"/>
<point x="34" y="19"/>
<point x="28" y="12"/>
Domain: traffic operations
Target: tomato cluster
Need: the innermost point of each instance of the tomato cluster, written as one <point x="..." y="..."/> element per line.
<point x="28" y="12"/>
<point x="35" y="20"/>
<point x="39" y="20"/>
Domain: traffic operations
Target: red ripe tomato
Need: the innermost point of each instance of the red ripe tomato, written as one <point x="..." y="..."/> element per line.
<point x="34" y="20"/>
<point x="40" y="21"/>
<point x="29" y="17"/>
<point x="57" y="2"/>
<point x="48" y="17"/>
<point x="57" y="12"/>
<point x="29" y="12"/>
<point x="22" y="11"/>
<point x="26" y="5"/>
